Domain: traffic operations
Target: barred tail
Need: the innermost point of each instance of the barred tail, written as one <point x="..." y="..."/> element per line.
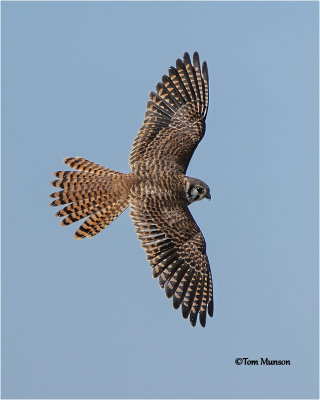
<point x="94" y="191"/>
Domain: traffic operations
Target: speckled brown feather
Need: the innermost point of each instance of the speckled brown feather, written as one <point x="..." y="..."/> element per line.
<point x="96" y="192"/>
<point x="173" y="126"/>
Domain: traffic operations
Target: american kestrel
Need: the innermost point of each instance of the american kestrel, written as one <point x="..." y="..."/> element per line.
<point x="157" y="190"/>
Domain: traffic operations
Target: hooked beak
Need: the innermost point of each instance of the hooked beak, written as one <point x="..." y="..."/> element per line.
<point x="208" y="195"/>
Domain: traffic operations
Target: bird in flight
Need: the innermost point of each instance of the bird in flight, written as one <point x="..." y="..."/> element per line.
<point x="157" y="190"/>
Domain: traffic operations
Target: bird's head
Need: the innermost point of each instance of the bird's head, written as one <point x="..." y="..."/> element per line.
<point x="196" y="189"/>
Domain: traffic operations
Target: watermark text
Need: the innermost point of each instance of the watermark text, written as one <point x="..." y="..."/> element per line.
<point x="260" y="361"/>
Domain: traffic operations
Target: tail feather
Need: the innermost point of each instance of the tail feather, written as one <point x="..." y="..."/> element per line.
<point x="96" y="192"/>
<point x="65" y="196"/>
<point x="81" y="205"/>
<point x="72" y="217"/>
<point x="98" y="221"/>
<point x="77" y="179"/>
<point x="81" y="164"/>
<point x="88" y="186"/>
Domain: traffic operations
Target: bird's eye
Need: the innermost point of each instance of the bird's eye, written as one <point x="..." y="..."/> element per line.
<point x="200" y="190"/>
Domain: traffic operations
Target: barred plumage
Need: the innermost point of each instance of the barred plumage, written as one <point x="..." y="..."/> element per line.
<point x="156" y="189"/>
<point x="99" y="193"/>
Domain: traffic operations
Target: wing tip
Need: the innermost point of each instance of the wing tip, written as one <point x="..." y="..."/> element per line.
<point x="196" y="58"/>
<point x="202" y="318"/>
<point x="168" y="290"/>
<point x="186" y="58"/>
<point x="210" y="308"/>
<point x="179" y="63"/>
<point x="175" y="303"/>
<point x="185" y="311"/>
<point x="205" y="71"/>
<point x="193" y="319"/>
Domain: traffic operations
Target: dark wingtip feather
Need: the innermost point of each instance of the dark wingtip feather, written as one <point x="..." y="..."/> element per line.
<point x="193" y="319"/>
<point x="172" y="71"/>
<point x="159" y="85"/>
<point x="185" y="311"/>
<point x="164" y="78"/>
<point x="202" y="318"/>
<point x="168" y="291"/>
<point x="179" y="63"/>
<point x="205" y="71"/>
<point x="176" y="303"/>
<point x="186" y="58"/>
<point x="196" y="59"/>
<point x="210" y="308"/>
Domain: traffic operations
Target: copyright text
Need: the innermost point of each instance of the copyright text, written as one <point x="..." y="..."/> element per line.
<point x="261" y="361"/>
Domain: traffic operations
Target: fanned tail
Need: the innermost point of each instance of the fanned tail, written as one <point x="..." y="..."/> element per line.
<point x="94" y="191"/>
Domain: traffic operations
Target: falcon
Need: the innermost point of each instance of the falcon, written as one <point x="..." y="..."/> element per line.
<point x="157" y="189"/>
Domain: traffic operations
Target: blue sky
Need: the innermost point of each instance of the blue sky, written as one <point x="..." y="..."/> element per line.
<point x="84" y="319"/>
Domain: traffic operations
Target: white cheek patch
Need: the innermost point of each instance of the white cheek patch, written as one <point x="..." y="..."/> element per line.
<point x="193" y="195"/>
<point x="194" y="192"/>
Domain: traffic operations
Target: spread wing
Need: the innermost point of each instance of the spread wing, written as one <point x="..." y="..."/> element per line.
<point x="174" y="121"/>
<point x="176" y="250"/>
